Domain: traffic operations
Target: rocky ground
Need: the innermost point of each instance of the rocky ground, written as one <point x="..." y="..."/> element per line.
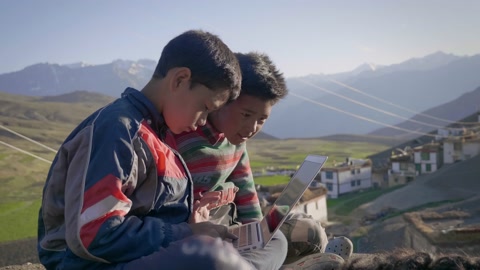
<point x="20" y="254"/>
<point x="27" y="266"/>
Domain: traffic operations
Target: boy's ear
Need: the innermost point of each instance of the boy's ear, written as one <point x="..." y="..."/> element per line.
<point x="180" y="77"/>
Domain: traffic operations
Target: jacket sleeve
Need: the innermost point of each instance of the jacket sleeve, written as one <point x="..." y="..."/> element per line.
<point x="102" y="173"/>
<point x="246" y="199"/>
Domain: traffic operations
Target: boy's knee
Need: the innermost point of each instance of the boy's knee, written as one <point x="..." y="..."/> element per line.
<point x="304" y="235"/>
<point x="282" y="242"/>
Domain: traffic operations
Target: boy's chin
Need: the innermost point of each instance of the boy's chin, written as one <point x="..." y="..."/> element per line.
<point x="177" y="131"/>
<point x="236" y="140"/>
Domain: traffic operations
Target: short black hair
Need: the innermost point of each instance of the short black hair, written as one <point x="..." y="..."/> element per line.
<point x="260" y="77"/>
<point x="209" y="59"/>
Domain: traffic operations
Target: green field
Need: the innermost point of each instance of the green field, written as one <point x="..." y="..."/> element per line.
<point x="49" y="122"/>
<point x="18" y="220"/>
<point x="290" y="153"/>
<point x="272" y="180"/>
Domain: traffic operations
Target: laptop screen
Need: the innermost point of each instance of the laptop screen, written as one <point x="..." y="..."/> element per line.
<point x="299" y="182"/>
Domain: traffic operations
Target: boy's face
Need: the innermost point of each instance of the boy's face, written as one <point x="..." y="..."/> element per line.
<point x="188" y="107"/>
<point x="241" y="119"/>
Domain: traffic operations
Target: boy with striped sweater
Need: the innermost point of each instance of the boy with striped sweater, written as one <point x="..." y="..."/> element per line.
<point x="216" y="154"/>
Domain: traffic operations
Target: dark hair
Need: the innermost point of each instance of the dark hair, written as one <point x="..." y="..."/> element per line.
<point x="260" y="77"/>
<point x="210" y="61"/>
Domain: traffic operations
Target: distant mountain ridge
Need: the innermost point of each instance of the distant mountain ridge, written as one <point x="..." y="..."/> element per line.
<point x="454" y="110"/>
<point x="418" y="84"/>
<point x="53" y="79"/>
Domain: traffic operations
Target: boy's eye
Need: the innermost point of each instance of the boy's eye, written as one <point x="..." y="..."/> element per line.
<point x="246" y="115"/>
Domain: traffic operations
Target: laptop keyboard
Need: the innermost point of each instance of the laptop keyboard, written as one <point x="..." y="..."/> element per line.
<point x="244" y="234"/>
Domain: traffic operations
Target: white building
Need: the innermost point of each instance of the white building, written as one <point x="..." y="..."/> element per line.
<point x="443" y="133"/>
<point x="352" y="175"/>
<point x="460" y="149"/>
<point x="314" y="203"/>
<point x="428" y="158"/>
<point x="402" y="167"/>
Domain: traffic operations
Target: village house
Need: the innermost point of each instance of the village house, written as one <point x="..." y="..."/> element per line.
<point x="380" y="176"/>
<point x="313" y="202"/>
<point x="349" y="176"/>
<point x="402" y="167"/>
<point x="428" y="158"/>
<point x="461" y="147"/>
<point x="458" y="149"/>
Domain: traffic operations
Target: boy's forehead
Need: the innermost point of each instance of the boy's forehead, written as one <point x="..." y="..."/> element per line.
<point x="246" y="98"/>
<point x="253" y="104"/>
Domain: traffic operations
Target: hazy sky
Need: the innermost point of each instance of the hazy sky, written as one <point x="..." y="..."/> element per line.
<point x="302" y="37"/>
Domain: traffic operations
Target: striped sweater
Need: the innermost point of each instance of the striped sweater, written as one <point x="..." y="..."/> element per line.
<point x="216" y="164"/>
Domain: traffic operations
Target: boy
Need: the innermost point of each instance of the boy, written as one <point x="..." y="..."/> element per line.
<point x="217" y="158"/>
<point x="117" y="196"/>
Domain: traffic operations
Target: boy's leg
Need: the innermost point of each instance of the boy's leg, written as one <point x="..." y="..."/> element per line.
<point x="304" y="235"/>
<point x="270" y="257"/>
<point x="196" y="252"/>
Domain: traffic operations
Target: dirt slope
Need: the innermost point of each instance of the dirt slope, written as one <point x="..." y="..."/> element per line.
<point x="451" y="182"/>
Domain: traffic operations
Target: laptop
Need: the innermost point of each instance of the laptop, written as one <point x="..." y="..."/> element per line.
<point x="256" y="235"/>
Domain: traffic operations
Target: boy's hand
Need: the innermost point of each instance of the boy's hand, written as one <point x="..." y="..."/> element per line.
<point x="214" y="199"/>
<point x="209" y="200"/>
<point x="201" y="212"/>
<point x="213" y="230"/>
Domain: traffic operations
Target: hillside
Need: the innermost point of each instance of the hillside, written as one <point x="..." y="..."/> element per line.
<point x="451" y="182"/>
<point x="454" y="110"/>
<point x="452" y="188"/>
<point x="45" y="120"/>
<point x="382" y="157"/>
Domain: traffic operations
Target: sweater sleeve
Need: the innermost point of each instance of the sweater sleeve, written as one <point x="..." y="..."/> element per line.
<point x="100" y="224"/>
<point x="246" y="199"/>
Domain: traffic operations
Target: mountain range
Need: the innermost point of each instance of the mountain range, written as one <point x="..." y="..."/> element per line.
<point x="362" y="101"/>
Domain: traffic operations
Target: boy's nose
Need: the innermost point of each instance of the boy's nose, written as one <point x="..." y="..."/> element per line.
<point x="250" y="129"/>
<point x="202" y="121"/>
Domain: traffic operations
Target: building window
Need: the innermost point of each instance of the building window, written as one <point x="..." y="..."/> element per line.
<point x="457" y="146"/>
<point x="353" y="171"/>
<point x="316" y="205"/>
<point x="358" y="170"/>
<point x="418" y="167"/>
<point x="403" y="166"/>
<point x="352" y="183"/>
<point x="329" y="186"/>
<point x="425" y="155"/>
<point x="359" y="182"/>
<point x="428" y="167"/>
<point x="329" y="175"/>
<point x="305" y="208"/>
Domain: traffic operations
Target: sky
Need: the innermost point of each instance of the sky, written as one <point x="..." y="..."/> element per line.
<point x="302" y="37"/>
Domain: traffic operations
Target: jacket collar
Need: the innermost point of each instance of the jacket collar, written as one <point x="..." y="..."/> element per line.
<point x="148" y="110"/>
